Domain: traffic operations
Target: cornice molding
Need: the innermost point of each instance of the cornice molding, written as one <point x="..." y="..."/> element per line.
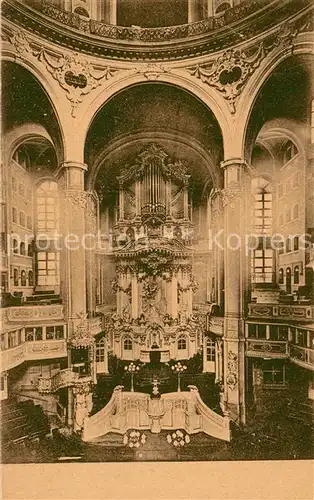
<point x="245" y="22"/>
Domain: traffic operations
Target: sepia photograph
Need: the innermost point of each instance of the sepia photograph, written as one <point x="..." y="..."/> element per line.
<point x="157" y="232"/>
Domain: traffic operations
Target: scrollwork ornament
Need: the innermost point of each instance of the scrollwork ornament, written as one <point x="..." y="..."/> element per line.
<point x="75" y="75"/>
<point x="231" y="193"/>
<point x="77" y="198"/>
<point x="232" y="377"/>
<point x="230" y="72"/>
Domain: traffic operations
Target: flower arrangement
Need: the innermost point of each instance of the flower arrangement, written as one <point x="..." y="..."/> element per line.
<point x="178" y="438"/>
<point x="134" y="439"/>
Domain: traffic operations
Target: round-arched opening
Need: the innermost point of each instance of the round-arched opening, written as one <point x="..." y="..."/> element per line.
<point x="26" y="102"/>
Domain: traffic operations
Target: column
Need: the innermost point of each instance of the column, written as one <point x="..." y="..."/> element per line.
<point x="134" y="296"/>
<point x="72" y="228"/>
<point x="193" y="11"/>
<point x="174" y="297"/>
<point x="89" y="245"/>
<point x="121" y="202"/>
<point x="186" y="201"/>
<point x="70" y="407"/>
<point x="138" y="198"/>
<point x="234" y="197"/>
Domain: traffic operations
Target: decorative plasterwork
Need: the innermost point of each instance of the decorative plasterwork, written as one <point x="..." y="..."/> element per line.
<point x="73" y="72"/>
<point x="81" y="336"/>
<point x="75" y="75"/>
<point x="152" y="71"/>
<point x="231" y="193"/>
<point x="229" y="72"/>
<point x="232" y="374"/>
<point x="78" y="198"/>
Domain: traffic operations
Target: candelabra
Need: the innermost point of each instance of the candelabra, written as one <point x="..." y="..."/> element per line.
<point x="132" y="368"/>
<point x="179" y="368"/>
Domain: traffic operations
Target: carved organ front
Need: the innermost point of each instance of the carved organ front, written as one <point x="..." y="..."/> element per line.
<point x="152" y="236"/>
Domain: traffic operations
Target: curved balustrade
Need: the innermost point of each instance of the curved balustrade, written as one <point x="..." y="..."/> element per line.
<point x="135" y="410"/>
<point x="148" y="35"/>
<point x="64" y="378"/>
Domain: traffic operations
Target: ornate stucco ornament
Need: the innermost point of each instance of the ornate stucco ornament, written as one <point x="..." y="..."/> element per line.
<point x="232" y="376"/>
<point x="231" y="193"/>
<point x="75" y="75"/>
<point x="152" y="71"/>
<point x="230" y="72"/>
<point x="81" y="336"/>
<point x="20" y="43"/>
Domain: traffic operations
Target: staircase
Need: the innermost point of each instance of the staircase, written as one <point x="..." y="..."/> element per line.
<point x="22" y="422"/>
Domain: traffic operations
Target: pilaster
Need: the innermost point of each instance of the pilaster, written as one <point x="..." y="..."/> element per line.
<point x="73" y="202"/>
<point x="235" y="202"/>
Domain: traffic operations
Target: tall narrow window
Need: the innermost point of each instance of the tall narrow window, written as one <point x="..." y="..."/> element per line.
<point x="296" y="243"/>
<point x="210" y="349"/>
<point x="30" y="278"/>
<point x="296" y="275"/>
<point x="281" y="277"/>
<point x="263" y="212"/>
<point x="15" y="277"/>
<point x="23" y="278"/>
<point x="47" y="206"/>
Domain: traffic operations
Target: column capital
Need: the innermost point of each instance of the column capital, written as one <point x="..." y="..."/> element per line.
<point x="71" y="164"/>
<point x="233" y="162"/>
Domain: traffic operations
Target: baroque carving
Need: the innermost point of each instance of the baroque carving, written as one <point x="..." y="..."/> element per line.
<point x="232" y="375"/>
<point x="75" y="75"/>
<point x="78" y="198"/>
<point x="152" y="71"/>
<point x="230" y="72"/>
<point x="231" y="193"/>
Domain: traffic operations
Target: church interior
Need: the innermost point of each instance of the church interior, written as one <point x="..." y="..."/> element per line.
<point x="157" y="230"/>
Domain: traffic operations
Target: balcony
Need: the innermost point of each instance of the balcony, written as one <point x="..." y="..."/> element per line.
<point x="302" y="356"/>
<point x="267" y="349"/>
<point x="32" y="351"/>
<point x="297" y="312"/>
<point x="250" y="17"/>
<point x="95" y="325"/>
<point x="64" y="378"/>
<point x="216" y="325"/>
<point x="34" y="313"/>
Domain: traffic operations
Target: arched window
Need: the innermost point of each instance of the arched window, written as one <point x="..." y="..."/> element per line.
<point x="127" y="344"/>
<point x="281" y="277"/>
<point x="30" y="250"/>
<point x="23" y="278"/>
<point x="14" y="214"/>
<point x="21" y="157"/>
<point x="296" y="212"/>
<point x="15" y="246"/>
<point x="182" y="343"/>
<point x="296" y="243"/>
<point x="15" y="277"/>
<point x="290" y="150"/>
<point x="288" y="245"/>
<point x="22" y="248"/>
<point x="288" y="280"/>
<point x="30" y="278"/>
<point x="222" y="7"/>
<point x="22" y="219"/>
<point x="47" y="206"/>
<point x="81" y="12"/>
<point x="296" y="275"/>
